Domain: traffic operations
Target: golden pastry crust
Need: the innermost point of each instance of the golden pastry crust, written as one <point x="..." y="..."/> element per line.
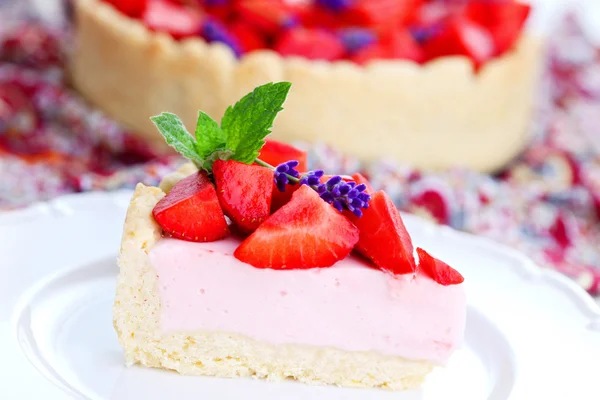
<point x="136" y="318"/>
<point x="432" y="116"/>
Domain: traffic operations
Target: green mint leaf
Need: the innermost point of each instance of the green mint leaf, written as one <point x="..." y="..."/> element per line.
<point x="172" y="129"/>
<point x="209" y="136"/>
<point x="249" y="121"/>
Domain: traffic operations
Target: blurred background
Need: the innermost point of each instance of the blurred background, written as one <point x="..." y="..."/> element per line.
<point x="545" y="201"/>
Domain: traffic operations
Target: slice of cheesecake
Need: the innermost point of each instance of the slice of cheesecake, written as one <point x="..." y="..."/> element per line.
<point x="196" y="309"/>
<point x="286" y="298"/>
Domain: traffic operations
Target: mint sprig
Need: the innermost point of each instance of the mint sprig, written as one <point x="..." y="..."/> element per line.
<point x="241" y="134"/>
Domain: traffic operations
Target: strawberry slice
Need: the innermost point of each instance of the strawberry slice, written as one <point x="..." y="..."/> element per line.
<point x="438" y="270"/>
<point x="305" y="233"/>
<point x="245" y="192"/>
<point x="268" y="16"/>
<point x="462" y="37"/>
<point x="132" y="8"/>
<point x="191" y="211"/>
<point x="275" y="153"/>
<point x="314" y="44"/>
<point x="504" y="20"/>
<point x="175" y="19"/>
<point x="396" y="44"/>
<point x="381" y="14"/>
<point x="383" y="237"/>
<point x="248" y="38"/>
<point x="282" y="198"/>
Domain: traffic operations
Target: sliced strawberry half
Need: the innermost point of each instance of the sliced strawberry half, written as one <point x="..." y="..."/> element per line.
<point x="275" y="153"/>
<point x="383" y="237"/>
<point x="132" y="8"/>
<point x="504" y="20"/>
<point x="191" y="211"/>
<point x="248" y="37"/>
<point x="394" y="45"/>
<point x="177" y="20"/>
<point x="305" y="233"/>
<point x="245" y="192"/>
<point x="438" y="270"/>
<point x="461" y="37"/>
<point x="268" y="16"/>
<point x="381" y="13"/>
<point x="314" y="44"/>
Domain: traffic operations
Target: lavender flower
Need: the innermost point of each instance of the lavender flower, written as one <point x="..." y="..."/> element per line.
<point x="344" y="195"/>
<point x="337" y="192"/>
<point x="355" y="39"/>
<point x="312" y="178"/>
<point x="215" y="31"/>
<point x="283" y="172"/>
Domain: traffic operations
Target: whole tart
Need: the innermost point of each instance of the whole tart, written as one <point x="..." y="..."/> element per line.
<point x="435" y="115"/>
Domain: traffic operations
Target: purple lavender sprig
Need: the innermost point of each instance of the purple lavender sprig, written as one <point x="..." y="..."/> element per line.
<point x="341" y="194"/>
<point x="284" y="172"/>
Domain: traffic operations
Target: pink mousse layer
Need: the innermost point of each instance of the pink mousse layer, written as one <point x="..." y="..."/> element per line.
<point x="351" y="305"/>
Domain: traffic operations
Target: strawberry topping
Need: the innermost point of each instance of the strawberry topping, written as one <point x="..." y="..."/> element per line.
<point x="314" y="44"/>
<point x="438" y="270"/>
<point x="191" y="211"/>
<point x="358" y="30"/>
<point x="305" y="233"/>
<point x="245" y="192"/>
<point x="383" y="237"/>
<point x="133" y="8"/>
<point x="462" y="37"/>
<point x="504" y="20"/>
<point x="275" y="153"/>
<point x="177" y="20"/>
<point x="268" y="16"/>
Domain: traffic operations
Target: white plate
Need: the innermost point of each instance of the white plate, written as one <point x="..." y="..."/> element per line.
<point x="531" y="334"/>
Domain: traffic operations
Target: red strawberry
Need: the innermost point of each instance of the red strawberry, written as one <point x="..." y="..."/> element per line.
<point x="396" y="44"/>
<point x="249" y="38"/>
<point x="219" y="10"/>
<point x="173" y="18"/>
<point x="462" y="37"/>
<point x="376" y="51"/>
<point x="245" y="192"/>
<point x="282" y="198"/>
<point x="191" y="211"/>
<point x="275" y="153"/>
<point x="435" y="203"/>
<point x="269" y="16"/>
<point x="503" y="19"/>
<point x="314" y="44"/>
<point x="383" y="237"/>
<point x="305" y="233"/>
<point x="132" y="8"/>
<point x="402" y="45"/>
<point x="318" y="17"/>
<point x="438" y="270"/>
<point x="381" y="14"/>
